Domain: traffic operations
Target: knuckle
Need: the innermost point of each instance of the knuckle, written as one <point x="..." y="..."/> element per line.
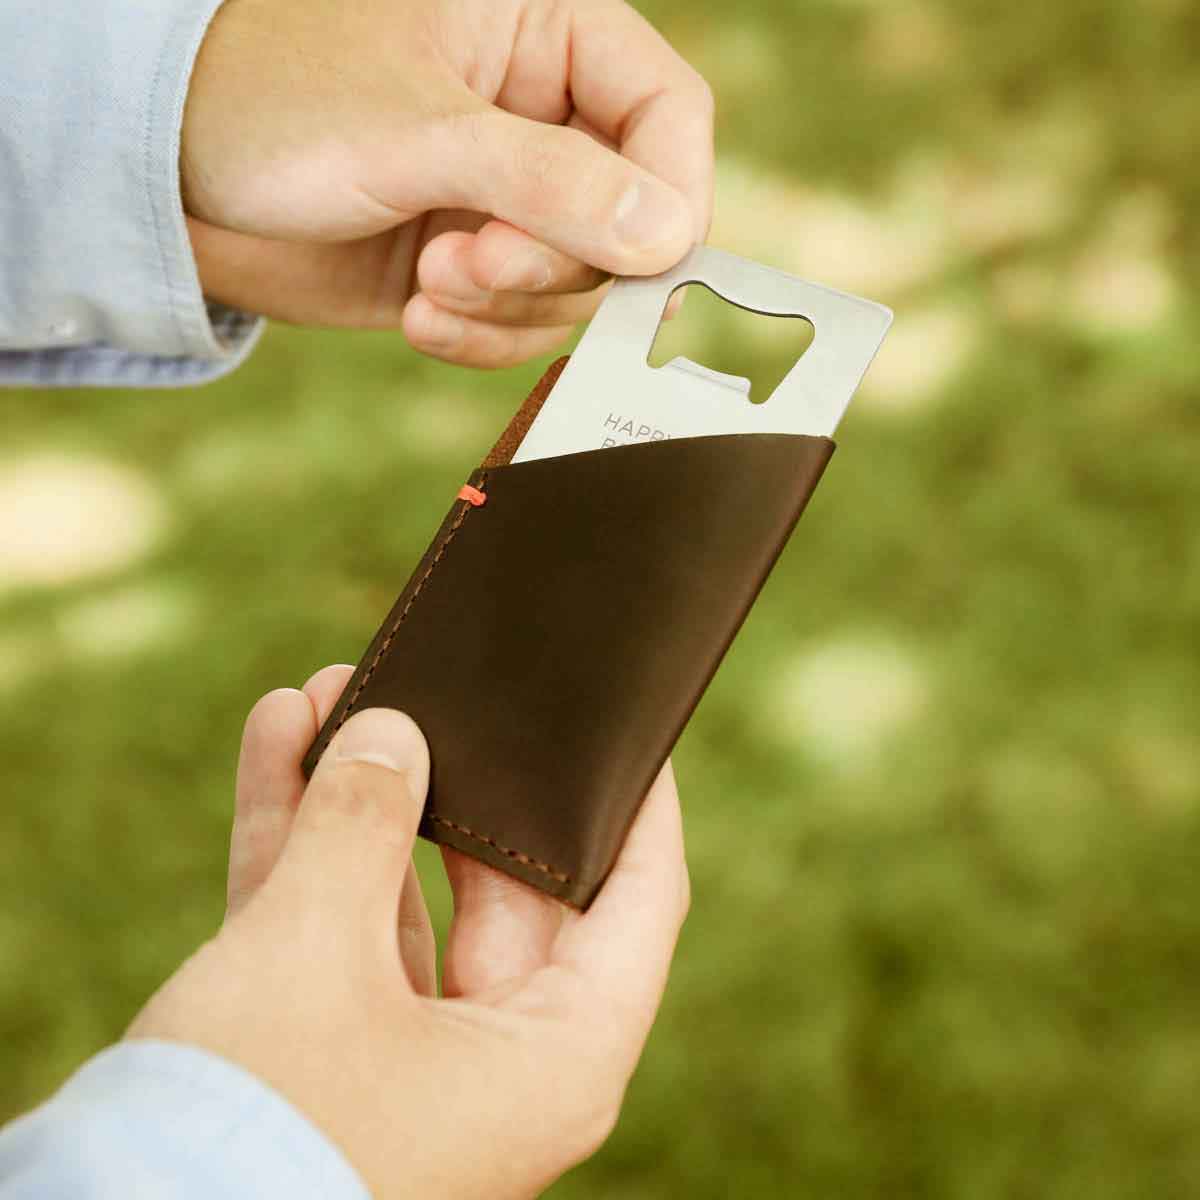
<point x="472" y="126"/>
<point x="364" y="796"/>
<point x="350" y="791"/>
<point x="418" y="319"/>
<point x="598" y="1123"/>
<point x="513" y="355"/>
<point x="517" y="308"/>
<point x="541" y="167"/>
<point x="705" y="98"/>
<point x="538" y="312"/>
<point x="501" y="349"/>
<point x="563" y="172"/>
<point x="518" y="345"/>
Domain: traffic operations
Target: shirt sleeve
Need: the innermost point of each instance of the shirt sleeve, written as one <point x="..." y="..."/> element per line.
<point x="172" y="1122"/>
<point x="98" y="283"/>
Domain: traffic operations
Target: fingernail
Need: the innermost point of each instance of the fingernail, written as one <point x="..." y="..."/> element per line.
<point x="367" y="740"/>
<point x="525" y="270"/>
<point x="442" y="329"/>
<point x="649" y="215"/>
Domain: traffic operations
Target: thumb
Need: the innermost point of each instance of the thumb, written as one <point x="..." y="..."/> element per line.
<point x="352" y="839"/>
<point x="568" y="191"/>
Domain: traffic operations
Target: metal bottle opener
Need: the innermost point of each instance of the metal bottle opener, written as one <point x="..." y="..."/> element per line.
<point x="685" y="399"/>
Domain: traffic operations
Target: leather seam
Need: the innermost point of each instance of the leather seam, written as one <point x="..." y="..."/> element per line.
<point x="517" y="855"/>
<point x="382" y="653"/>
<point x="386" y="646"/>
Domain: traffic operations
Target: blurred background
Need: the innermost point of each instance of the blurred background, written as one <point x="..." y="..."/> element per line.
<point x="943" y="799"/>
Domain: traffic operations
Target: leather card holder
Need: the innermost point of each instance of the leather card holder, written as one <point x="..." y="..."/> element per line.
<point x="554" y="639"/>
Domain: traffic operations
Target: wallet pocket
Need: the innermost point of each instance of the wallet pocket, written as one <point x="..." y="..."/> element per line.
<point x="554" y="640"/>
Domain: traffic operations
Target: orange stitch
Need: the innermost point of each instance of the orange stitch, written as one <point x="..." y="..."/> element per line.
<point x="387" y="641"/>
<point x="545" y="868"/>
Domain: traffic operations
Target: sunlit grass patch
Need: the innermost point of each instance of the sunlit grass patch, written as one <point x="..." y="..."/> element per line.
<point x="66" y="517"/>
<point x="844" y="699"/>
<point x="923" y="352"/>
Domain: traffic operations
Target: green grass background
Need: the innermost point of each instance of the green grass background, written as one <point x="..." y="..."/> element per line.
<point x="945" y="939"/>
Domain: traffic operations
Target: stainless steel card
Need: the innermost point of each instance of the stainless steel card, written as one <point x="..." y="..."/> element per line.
<point x="609" y="395"/>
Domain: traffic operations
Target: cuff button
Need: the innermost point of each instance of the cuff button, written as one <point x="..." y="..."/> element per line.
<point x="63" y="330"/>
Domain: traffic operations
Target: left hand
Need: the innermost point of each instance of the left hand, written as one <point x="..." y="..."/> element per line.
<point x="322" y="980"/>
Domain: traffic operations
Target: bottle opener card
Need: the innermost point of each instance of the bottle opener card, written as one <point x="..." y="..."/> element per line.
<point x="684" y="399"/>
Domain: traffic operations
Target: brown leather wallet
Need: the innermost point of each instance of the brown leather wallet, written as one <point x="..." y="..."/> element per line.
<point x="553" y="642"/>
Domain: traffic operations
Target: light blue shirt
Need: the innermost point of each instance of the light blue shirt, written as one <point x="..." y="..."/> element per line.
<point x="98" y="286"/>
<point x="159" y="1121"/>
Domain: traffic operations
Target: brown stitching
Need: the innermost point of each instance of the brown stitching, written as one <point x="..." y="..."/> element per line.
<point x="386" y="645"/>
<point x="387" y="641"/>
<point x="545" y="868"/>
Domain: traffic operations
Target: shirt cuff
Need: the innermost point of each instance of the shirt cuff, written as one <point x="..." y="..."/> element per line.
<point x="98" y="282"/>
<point x="162" y="1119"/>
<point x="104" y="366"/>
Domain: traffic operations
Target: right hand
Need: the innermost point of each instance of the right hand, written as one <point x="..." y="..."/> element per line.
<point x="469" y="170"/>
<point x="322" y="979"/>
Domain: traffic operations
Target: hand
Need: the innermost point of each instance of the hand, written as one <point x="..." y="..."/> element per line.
<point x="468" y="170"/>
<point x="322" y="979"/>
